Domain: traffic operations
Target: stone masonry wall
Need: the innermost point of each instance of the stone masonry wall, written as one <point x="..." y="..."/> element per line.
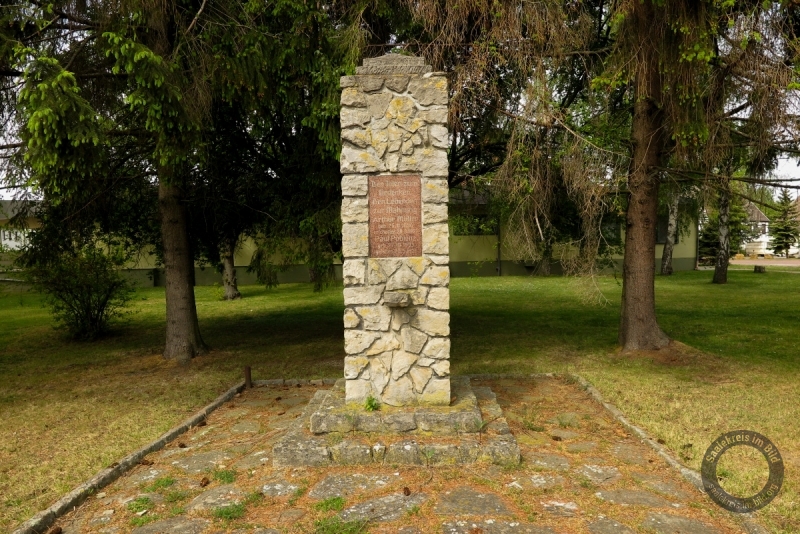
<point x="396" y="319"/>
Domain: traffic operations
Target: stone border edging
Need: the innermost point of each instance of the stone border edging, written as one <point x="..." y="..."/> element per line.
<point x="43" y="520"/>
<point x="748" y="522"/>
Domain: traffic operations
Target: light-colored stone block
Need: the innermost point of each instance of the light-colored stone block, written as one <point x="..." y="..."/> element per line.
<point x="353" y="272"/>
<point x="377" y="104"/>
<point x="369" y="84"/>
<point x="439" y="136"/>
<point x="357" y="136"/>
<point x="434" y="213"/>
<point x="354" y="185"/>
<point x="435" y="190"/>
<point x="437" y="392"/>
<point x="436" y="275"/>
<point x="420" y="377"/>
<point x="401" y="363"/>
<point x="418" y="265"/>
<point x="429" y="91"/>
<point x="351" y="319"/>
<point x="432" y="322"/>
<point x="401" y="109"/>
<point x="375" y="317"/>
<point x="399" y="318"/>
<point x="437" y="348"/>
<point x="354" y="210"/>
<point x="436" y="239"/>
<point x="380" y="368"/>
<point x="384" y="343"/>
<point x="439" y="259"/>
<point x="441" y="368"/>
<point x="353" y="365"/>
<point x="413" y="339"/>
<point x="358" y="341"/>
<point x="362" y="295"/>
<point x="399" y="392"/>
<point x="357" y="391"/>
<point x="355" y="240"/>
<point x="432" y="162"/>
<point x="352" y="97"/>
<point x="434" y="115"/>
<point x="439" y="298"/>
<point x="404" y="278"/>
<point x="419" y="295"/>
<point x="360" y="160"/>
<point x="347" y="81"/>
<point x="354" y="117"/>
<point x="396" y="84"/>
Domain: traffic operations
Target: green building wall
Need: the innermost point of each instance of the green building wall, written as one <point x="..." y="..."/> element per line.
<point x="469" y="256"/>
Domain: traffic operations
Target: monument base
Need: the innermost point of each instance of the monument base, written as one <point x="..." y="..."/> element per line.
<point x="332" y="432"/>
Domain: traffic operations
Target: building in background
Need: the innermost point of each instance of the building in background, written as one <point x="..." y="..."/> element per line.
<point x="11" y="238"/>
<point x="759" y="222"/>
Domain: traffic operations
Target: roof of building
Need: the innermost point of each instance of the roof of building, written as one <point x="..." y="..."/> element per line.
<point x="8" y="208"/>
<point x="754" y="214"/>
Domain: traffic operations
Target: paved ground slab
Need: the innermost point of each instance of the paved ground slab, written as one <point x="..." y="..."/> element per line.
<point x="383" y="509"/>
<point x="466" y="501"/>
<point x="609" y="526"/>
<point x="596" y="482"/>
<point x="347" y="484"/>
<point x="493" y="527"/>
<point x="176" y="525"/>
<point x="632" y="497"/>
<point x="673" y="524"/>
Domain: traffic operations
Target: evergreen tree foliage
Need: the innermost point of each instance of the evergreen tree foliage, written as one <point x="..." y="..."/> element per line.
<point x="784" y="228"/>
<point x="739" y="227"/>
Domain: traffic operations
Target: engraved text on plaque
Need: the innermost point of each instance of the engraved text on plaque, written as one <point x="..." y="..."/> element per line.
<point x="395" y="216"/>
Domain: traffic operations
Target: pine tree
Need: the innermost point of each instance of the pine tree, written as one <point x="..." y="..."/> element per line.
<point x="784" y="228"/>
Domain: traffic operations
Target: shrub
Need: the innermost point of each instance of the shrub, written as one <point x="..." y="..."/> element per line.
<point x="84" y="291"/>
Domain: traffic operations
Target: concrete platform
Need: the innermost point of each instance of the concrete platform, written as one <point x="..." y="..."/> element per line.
<point x="330" y="432"/>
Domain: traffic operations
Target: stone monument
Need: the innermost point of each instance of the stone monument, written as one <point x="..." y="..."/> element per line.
<point x="396" y="292"/>
<point x="395" y="233"/>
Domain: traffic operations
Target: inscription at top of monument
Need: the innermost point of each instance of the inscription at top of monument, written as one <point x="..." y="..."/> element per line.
<point x="395" y="216"/>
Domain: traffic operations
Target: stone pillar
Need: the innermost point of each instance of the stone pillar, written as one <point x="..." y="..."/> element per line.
<point x="395" y="233"/>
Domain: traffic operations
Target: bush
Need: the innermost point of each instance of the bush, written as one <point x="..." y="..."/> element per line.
<point x="84" y="290"/>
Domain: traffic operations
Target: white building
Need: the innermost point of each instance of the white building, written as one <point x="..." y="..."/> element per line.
<point x="760" y="223"/>
<point x="10" y="238"/>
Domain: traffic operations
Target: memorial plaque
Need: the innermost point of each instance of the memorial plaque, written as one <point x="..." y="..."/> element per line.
<point x="395" y="216"/>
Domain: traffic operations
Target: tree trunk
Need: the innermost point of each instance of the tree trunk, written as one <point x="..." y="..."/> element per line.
<point x="183" y="332"/>
<point x="672" y="235"/>
<point x="547" y="256"/>
<point x="229" y="271"/>
<point x="638" y="329"/>
<point x="723" y="253"/>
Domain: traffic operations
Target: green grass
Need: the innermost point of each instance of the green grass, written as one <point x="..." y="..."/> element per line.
<point x="141" y="521"/>
<point x="176" y="496"/>
<point x="330" y="504"/>
<point x="334" y="525"/>
<point x="231" y="512"/>
<point x="70" y="409"/>
<point x="140" y="504"/>
<point x="160" y="484"/>
<point x="226" y="476"/>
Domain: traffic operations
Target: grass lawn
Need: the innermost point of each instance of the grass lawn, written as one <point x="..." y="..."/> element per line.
<point x="68" y="409"/>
